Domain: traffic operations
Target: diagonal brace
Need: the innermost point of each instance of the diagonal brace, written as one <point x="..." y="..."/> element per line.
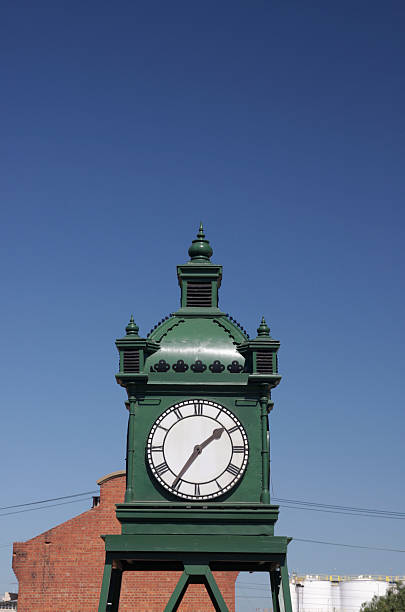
<point x="197" y="574"/>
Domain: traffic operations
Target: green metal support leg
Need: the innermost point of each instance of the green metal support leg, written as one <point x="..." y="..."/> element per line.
<point x="197" y="574"/>
<point x="214" y="592"/>
<point x="178" y="593"/>
<point x="115" y="590"/>
<point x="275" y="589"/>
<point x="285" y="585"/>
<point x="105" y="585"/>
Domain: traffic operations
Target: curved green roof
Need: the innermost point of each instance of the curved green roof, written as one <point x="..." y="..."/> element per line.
<point x="196" y="347"/>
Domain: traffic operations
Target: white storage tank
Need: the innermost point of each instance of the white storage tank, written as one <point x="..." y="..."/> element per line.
<point x="294" y="588"/>
<point x="316" y="595"/>
<point x="336" y="598"/>
<point x="359" y="590"/>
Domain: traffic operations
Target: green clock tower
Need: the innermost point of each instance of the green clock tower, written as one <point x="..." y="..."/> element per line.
<point x="198" y="453"/>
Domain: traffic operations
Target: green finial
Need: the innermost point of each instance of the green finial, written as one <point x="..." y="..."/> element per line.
<point x="132" y="329"/>
<point x="263" y="329"/>
<point x="200" y="249"/>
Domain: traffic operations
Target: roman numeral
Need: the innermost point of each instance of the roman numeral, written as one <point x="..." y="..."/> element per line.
<point x="198" y="408"/>
<point x="157" y="449"/>
<point x="162" y="468"/>
<point x="232" y="469"/>
<point x="178" y="484"/>
<point x="238" y="449"/>
<point x="219" y="412"/>
<point x="218" y="485"/>
<point x="178" y="414"/>
<point x="161" y="427"/>
<point x="196" y="489"/>
<point x="235" y="428"/>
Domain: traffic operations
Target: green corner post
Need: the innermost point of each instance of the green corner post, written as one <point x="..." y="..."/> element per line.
<point x="264" y="401"/>
<point x="129" y="493"/>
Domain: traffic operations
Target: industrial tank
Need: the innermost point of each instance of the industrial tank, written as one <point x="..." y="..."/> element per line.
<point x="316" y="595"/>
<point x="294" y="589"/>
<point x="357" y="591"/>
<point x="336" y="596"/>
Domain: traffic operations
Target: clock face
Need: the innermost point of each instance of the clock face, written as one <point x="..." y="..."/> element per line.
<point x="197" y="449"/>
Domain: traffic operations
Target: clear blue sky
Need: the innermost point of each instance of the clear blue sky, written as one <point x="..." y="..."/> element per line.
<point x="281" y="126"/>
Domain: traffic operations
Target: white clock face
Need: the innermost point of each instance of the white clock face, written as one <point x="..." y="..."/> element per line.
<point x="197" y="449"/>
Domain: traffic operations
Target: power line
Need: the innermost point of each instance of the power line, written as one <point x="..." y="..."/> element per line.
<point x="44" y="501"/>
<point x="363" y="514"/>
<point x="72" y="501"/>
<point x="342" y="508"/>
<point x="400" y="550"/>
<point x="301" y="505"/>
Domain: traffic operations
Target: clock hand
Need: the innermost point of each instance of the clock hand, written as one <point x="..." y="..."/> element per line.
<point x="216" y="434"/>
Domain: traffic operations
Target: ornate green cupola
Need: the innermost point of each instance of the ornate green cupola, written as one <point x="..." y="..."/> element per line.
<point x="198" y="452"/>
<point x="133" y="352"/>
<point x="261" y="356"/>
<point x="199" y="278"/>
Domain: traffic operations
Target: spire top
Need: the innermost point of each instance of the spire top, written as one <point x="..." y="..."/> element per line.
<point x="132" y="328"/>
<point x="201" y="234"/>
<point x="200" y="249"/>
<point x="263" y="329"/>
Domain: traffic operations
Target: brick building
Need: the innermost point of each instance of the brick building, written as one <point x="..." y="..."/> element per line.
<point x="61" y="569"/>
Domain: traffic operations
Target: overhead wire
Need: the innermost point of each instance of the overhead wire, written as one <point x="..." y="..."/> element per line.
<point x="72" y="501"/>
<point x="340" y="508"/>
<point x="299" y="505"/>
<point x="44" y="501"/>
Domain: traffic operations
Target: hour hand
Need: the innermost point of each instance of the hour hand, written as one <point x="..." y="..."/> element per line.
<point x="216" y="434"/>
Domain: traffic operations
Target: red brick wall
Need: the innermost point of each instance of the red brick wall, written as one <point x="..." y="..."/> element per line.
<point x="61" y="569"/>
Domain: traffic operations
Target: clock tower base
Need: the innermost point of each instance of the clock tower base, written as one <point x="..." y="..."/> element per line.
<point x="196" y="539"/>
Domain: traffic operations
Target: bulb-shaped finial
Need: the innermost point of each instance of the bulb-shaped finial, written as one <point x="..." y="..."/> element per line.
<point x="132" y="329"/>
<point x="263" y="329"/>
<point x="200" y="249"/>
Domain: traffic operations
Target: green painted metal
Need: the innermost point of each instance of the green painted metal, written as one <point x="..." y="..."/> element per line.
<point x="105" y="585"/>
<point x="265" y="494"/>
<point x="198" y="352"/>
<point x="214" y="592"/>
<point x="115" y="590"/>
<point x="228" y="544"/>
<point x="198" y="574"/>
<point x="285" y="586"/>
<point x="275" y="588"/>
<point x="130" y="493"/>
<point x="197" y="518"/>
<point x="200" y="249"/>
<point x="178" y="593"/>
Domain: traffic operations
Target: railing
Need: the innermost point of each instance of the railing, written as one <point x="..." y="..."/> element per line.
<point x="338" y="578"/>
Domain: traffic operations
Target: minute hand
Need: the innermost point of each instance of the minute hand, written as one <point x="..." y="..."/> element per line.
<point x="216" y="434"/>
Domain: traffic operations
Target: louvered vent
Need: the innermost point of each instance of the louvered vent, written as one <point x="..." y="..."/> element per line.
<point x="131" y="361"/>
<point x="199" y="294"/>
<point x="264" y="362"/>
